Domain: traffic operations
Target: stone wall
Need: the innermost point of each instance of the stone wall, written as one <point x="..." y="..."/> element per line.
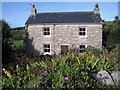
<point x="63" y="35"/>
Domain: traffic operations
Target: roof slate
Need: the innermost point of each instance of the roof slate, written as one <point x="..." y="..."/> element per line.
<point x="63" y="17"/>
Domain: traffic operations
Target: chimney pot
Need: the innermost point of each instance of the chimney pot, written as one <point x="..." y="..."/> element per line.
<point x="33" y="10"/>
<point x="96" y="9"/>
<point x="33" y="6"/>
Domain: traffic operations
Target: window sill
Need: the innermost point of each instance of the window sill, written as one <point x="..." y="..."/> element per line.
<point x="47" y="35"/>
<point x="83" y="36"/>
<point x="46" y="53"/>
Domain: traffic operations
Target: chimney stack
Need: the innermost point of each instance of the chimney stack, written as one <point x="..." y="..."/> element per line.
<point x="96" y="9"/>
<point x="33" y="10"/>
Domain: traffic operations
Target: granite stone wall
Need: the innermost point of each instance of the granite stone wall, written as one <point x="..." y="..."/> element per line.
<point x="67" y="34"/>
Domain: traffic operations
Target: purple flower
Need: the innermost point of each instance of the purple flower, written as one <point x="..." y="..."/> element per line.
<point x="20" y="79"/>
<point x="66" y="78"/>
<point x="43" y="70"/>
<point x="100" y="77"/>
<point x="88" y="68"/>
<point x="63" y="58"/>
<point x="51" y="68"/>
<point x="39" y="73"/>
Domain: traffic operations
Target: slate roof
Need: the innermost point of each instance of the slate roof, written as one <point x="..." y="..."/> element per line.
<point x="63" y="17"/>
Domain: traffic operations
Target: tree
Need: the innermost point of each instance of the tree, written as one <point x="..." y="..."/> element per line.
<point x="7" y="52"/>
<point x="111" y="34"/>
<point x="114" y="36"/>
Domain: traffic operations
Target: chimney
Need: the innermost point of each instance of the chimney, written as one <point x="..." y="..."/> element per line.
<point x="96" y="9"/>
<point x="33" y="10"/>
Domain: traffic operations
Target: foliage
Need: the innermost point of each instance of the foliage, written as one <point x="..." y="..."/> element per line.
<point x="114" y="36"/>
<point x="18" y="34"/>
<point x="18" y="45"/>
<point x="95" y="51"/>
<point x="18" y="39"/>
<point x="111" y="35"/>
<point x="7" y="52"/>
<point x="65" y="71"/>
<point x="18" y="28"/>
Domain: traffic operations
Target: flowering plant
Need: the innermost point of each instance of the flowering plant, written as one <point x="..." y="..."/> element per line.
<point x="75" y="71"/>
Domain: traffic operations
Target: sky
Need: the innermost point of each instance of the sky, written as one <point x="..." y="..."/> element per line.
<point x="16" y="13"/>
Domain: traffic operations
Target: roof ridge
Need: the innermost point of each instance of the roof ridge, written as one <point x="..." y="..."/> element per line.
<point x="67" y="12"/>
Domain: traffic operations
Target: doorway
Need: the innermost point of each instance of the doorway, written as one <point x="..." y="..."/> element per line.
<point x="64" y="49"/>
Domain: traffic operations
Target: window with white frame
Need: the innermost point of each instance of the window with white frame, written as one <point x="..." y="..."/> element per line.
<point x="83" y="31"/>
<point x="46" y="48"/>
<point x="82" y="48"/>
<point x="46" y="31"/>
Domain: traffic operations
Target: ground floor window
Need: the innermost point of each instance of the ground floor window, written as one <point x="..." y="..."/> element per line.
<point x="46" y="48"/>
<point x="82" y="48"/>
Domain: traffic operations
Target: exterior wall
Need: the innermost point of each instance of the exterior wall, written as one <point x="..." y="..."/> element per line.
<point x="63" y="35"/>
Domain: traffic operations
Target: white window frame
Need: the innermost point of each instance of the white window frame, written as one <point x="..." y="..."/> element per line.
<point x="45" y="53"/>
<point x="49" y="31"/>
<point x="85" y="32"/>
<point x="79" y="47"/>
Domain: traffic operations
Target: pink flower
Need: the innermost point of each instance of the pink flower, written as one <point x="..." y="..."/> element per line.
<point x="66" y="78"/>
<point x="88" y="68"/>
<point x="20" y="79"/>
<point x="100" y="77"/>
<point x="51" y="68"/>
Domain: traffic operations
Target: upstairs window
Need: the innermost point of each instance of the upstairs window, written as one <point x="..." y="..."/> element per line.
<point x="82" y="31"/>
<point x="81" y="48"/>
<point x="46" y="31"/>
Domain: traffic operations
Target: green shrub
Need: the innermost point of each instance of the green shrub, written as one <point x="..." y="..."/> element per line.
<point x="93" y="50"/>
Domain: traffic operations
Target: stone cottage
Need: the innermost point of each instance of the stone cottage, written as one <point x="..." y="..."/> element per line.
<point x="58" y="32"/>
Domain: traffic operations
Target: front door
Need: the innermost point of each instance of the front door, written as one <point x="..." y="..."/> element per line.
<point x="64" y="49"/>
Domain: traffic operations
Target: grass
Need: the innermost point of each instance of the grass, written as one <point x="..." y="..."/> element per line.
<point x="18" y="44"/>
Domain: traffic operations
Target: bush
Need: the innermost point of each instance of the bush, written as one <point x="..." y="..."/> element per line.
<point x="93" y="50"/>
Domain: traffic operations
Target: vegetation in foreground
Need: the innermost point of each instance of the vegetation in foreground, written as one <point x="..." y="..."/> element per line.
<point x="63" y="72"/>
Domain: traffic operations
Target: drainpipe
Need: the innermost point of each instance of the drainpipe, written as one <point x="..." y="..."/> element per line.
<point x="54" y="39"/>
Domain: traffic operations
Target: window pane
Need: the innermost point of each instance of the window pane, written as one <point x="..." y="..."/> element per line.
<point x="83" y="29"/>
<point x="83" y="33"/>
<point x="48" y="33"/>
<point x="47" y="29"/>
<point x="48" y="50"/>
<point x="81" y="51"/>
<point x="80" y="33"/>
<point x="45" y="50"/>
<point x="44" y="29"/>
<point x="45" y="33"/>
<point x="80" y="29"/>
<point x="84" y="46"/>
<point x="45" y="46"/>
<point x="48" y="46"/>
<point x="80" y="46"/>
